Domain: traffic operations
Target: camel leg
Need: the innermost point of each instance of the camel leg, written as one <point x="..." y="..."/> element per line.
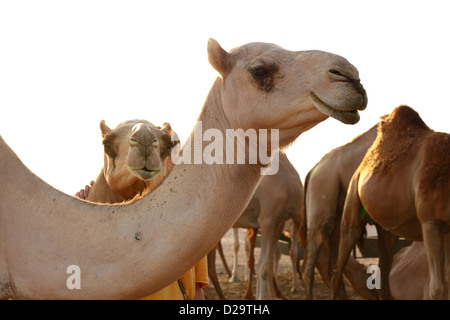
<point x="317" y="255"/>
<point x="252" y="234"/>
<point x="247" y="251"/>
<point x="320" y="226"/>
<point x="270" y="233"/>
<point x="348" y="240"/>
<point x="294" y="252"/>
<point x="434" y="246"/>
<point x="312" y="251"/>
<point x="331" y="234"/>
<point x="353" y="270"/>
<point x="386" y="245"/>
<point x="350" y="232"/>
<point x="235" y="273"/>
<point x="447" y="263"/>
<point x="224" y="261"/>
<point x="213" y="274"/>
<point x="251" y="240"/>
<point x="276" y="260"/>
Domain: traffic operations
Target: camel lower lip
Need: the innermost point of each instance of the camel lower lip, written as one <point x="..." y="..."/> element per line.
<point x="145" y="174"/>
<point x="345" y="116"/>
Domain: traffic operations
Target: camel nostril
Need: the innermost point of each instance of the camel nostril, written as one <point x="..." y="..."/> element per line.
<point x="344" y="72"/>
<point x="335" y="74"/>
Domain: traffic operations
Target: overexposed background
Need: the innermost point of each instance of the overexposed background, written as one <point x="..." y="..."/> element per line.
<point x="66" y="65"/>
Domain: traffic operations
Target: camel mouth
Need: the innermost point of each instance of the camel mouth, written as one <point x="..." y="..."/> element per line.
<point x="345" y="116"/>
<point x="145" y="173"/>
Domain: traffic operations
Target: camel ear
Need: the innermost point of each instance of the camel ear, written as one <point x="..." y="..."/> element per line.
<point x="219" y="58"/>
<point x="104" y="128"/>
<point x="168" y="129"/>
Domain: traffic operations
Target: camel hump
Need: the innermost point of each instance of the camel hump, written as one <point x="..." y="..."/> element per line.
<point x="404" y="117"/>
<point x="399" y="136"/>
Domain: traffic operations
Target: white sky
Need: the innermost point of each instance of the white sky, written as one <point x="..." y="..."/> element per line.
<point x="66" y="65"/>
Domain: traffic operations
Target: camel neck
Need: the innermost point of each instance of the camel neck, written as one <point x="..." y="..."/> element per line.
<point x="101" y="190"/>
<point x="212" y="114"/>
<point x="114" y="246"/>
<point x="216" y="140"/>
<point x="206" y="148"/>
<point x="197" y="203"/>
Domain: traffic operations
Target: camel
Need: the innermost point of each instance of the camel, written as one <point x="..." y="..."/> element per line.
<point x="403" y="184"/>
<point x="277" y="199"/>
<point x="127" y="251"/>
<point x="131" y="151"/>
<point x="136" y="160"/>
<point x="324" y="195"/>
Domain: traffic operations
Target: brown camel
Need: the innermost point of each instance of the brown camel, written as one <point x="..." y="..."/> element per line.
<point x="324" y="195"/>
<point x="136" y="160"/>
<point x="403" y="184"/>
<point x="277" y="199"/>
<point x="325" y="187"/>
<point x="132" y="250"/>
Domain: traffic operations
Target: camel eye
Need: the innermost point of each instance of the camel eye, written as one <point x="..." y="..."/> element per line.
<point x="167" y="144"/>
<point x="109" y="149"/>
<point x="259" y="73"/>
<point x="263" y="75"/>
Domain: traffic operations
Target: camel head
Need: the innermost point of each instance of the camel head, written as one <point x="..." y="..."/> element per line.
<point x="136" y="154"/>
<point x="266" y="86"/>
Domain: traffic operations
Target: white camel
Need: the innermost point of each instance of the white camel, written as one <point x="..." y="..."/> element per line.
<point x="128" y="251"/>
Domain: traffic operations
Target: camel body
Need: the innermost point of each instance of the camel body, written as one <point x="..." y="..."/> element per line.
<point x="324" y="195"/>
<point x="128" y="251"/>
<point x="403" y="183"/>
